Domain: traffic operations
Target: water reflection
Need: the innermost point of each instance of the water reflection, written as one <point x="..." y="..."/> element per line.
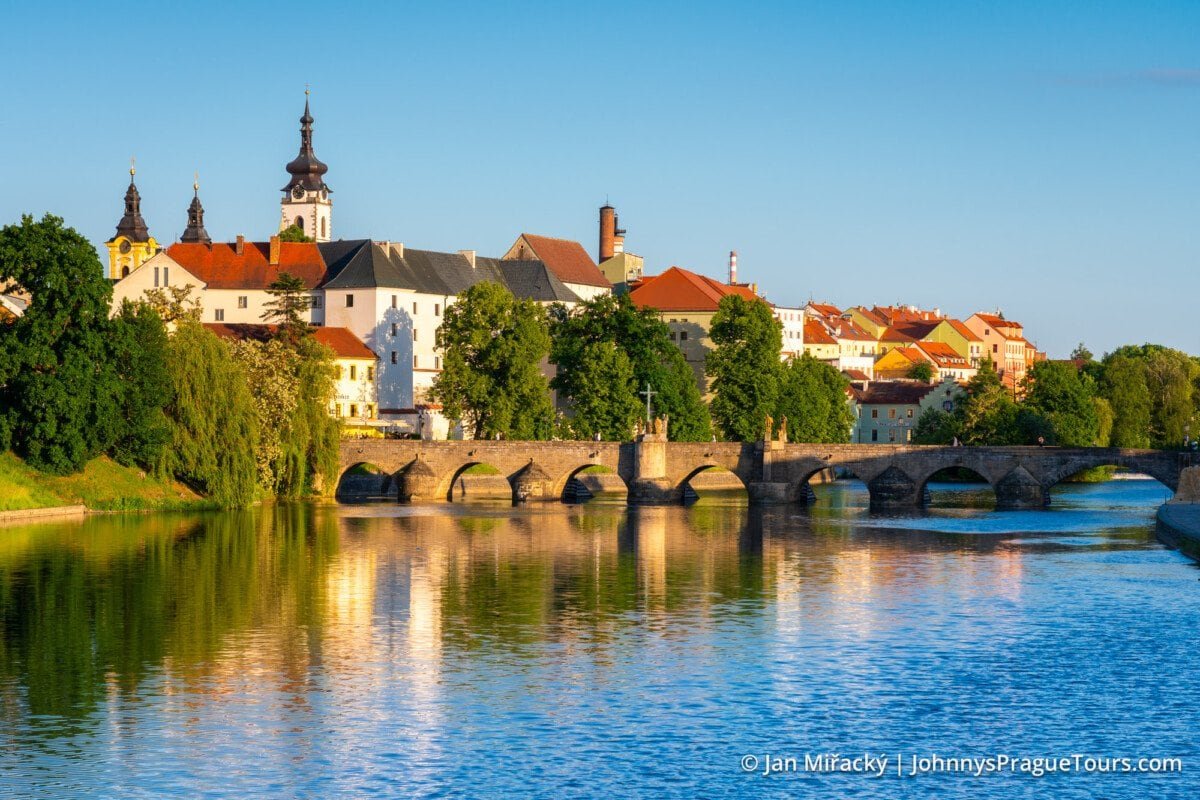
<point x="334" y="648"/>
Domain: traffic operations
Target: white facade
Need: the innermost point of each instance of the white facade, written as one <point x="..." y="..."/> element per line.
<point x="792" y="320"/>
<point x="311" y="211"/>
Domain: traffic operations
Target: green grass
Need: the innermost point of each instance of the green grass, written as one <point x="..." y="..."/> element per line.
<point x="481" y="469"/>
<point x="595" y="469"/>
<point x="103" y="485"/>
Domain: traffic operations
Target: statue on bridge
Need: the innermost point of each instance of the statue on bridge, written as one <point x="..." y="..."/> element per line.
<point x="660" y="425"/>
<point x="783" y="430"/>
<point x="768" y="428"/>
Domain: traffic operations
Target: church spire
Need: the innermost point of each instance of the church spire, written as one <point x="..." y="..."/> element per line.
<point x="306" y="169"/>
<point x="195" y="228"/>
<point x="132" y="226"/>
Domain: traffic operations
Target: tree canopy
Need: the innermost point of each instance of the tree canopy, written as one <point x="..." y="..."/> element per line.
<point x="492" y="346"/>
<point x="287" y="306"/>
<point x="813" y="398"/>
<point x="293" y="233"/>
<point x="744" y="366"/>
<point x="653" y="358"/>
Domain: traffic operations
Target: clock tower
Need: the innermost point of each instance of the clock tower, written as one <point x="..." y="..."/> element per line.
<point x="133" y="243"/>
<point x="306" y="202"/>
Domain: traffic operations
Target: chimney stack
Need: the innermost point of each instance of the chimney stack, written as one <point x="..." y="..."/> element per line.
<point x="274" y="260"/>
<point x="733" y="267"/>
<point x="469" y="255"/>
<point x="239" y="246"/>
<point x="608" y="233"/>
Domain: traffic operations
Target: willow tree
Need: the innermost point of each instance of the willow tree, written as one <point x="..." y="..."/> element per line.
<point x="214" y="424"/>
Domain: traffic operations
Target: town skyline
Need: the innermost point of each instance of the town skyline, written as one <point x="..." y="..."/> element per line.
<point x="1051" y="250"/>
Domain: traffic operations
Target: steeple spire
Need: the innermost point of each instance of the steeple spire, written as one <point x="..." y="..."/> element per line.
<point x="306" y="169"/>
<point x="195" y="228"/>
<point x="132" y="226"/>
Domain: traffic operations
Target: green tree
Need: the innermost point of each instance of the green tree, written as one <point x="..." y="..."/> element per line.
<point x="173" y="303"/>
<point x="607" y="401"/>
<point x="1124" y="386"/>
<point x="293" y="233"/>
<point x="1104" y="421"/>
<point x="813" y="398"/>
<point x="1062" y="398"/>
<point x="492" y="347"/>
<point x="287" y="306"/>
<point x="1081" y="353"/>
<point x="744" y="366"/>
<point x="59" y="394"/>
<point x="645" y="339"/>
<point x="988" y="414"/>
<point x="936" y="426"/>
<point x="138" y="350"/>
<point x="921" y="371"/>
<point x="214" y="425"/>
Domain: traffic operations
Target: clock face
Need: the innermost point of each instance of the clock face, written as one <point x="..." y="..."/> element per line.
<point x="125" y="248"/>
<point x="298" y="192"/>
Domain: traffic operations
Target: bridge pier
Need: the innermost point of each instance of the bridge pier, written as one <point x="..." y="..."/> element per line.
<point x="1019" y="490"/>
<point x="894" y="489"/>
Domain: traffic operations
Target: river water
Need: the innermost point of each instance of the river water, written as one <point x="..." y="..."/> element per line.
<point x="598" y="651"/>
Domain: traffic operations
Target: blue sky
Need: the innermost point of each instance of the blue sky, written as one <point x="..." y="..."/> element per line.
<point x="1043" y="158"/>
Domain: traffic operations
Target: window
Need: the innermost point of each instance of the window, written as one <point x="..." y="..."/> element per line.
<point x="349" y="301"/>
<point x="242" y="302"/>
<point x="393" y="301"/>
<point x="156" y="276"/>
<point x="874" y="413"/>
<point x="370" y="373"/>
<point x="995" y="349"/>
<point x="339" y="410"/>
<point x="354" y="409"/>
<point x="394" y="361"/>
<point x="414" y="361"/>
<point x="414" y="309"/>
<point x="891" y="413"/>
<point x="219" y="315"/>
<point x="316" y="301"/>
<point x="339" y="372"/>
<point x="910" y="413"/>
<point x="437" y="309"/>
<point x="353" y="373"/>
<point x="414" y="334"/>
<point x="322" y="227"/>
<point x="672" y="336"/>
<point x="908" y="435"/>
<point x="892" y="435"/>
<point x="437" y="362"/>
<point x="683" y="336"/>
<point x="165" y="281"/>
<point x="875" y="435"/>
<point x="393" y="329"/>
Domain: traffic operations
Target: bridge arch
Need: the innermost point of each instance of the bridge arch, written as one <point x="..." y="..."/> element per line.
<point x="957" y="474"/>
<point x="589" y="477"/>
<point x="475" y="480"/>
<point x="364" y="481"/>
<point x="691" y="487"/>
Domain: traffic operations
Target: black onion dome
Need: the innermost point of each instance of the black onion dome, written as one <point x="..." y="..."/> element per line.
<point x="306" y="169"/>
<point x="195" y="231"/>
<point x="132" y="226"/>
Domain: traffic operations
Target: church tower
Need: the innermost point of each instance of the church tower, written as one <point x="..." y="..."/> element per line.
<point x="133" y="243"/>
<point x="194" y="232"/>
<point x="306" y="202"/>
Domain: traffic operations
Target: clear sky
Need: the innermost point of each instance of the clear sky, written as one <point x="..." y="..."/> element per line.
<point x="1042" y="157"/>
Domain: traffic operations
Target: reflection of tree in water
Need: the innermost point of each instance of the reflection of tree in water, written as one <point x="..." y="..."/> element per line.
<point x="113" y="601"/>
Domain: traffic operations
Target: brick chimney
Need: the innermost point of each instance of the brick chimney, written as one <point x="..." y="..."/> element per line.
<point x="469" y="255"/>
<point x="274" y="251"/>
<point x="732" y="267"/>
<point x="608" y="233"/>
<point x="239" y="246"/>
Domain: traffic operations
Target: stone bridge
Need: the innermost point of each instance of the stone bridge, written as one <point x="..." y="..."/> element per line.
<point x="657" y="471"/>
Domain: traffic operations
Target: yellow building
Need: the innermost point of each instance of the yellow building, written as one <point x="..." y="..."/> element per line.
<point x="133" y="243"/>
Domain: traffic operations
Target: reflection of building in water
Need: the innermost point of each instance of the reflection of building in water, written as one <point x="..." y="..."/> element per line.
<point x="651" y="538"/>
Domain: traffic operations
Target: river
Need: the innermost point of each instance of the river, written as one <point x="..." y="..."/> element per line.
<point x="598" y="651"/>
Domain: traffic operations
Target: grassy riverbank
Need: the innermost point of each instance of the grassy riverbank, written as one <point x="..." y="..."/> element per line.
<point x="103" y="485"/>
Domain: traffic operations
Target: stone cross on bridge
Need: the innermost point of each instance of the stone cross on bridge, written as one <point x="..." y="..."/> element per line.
<point x="656" y="471"/>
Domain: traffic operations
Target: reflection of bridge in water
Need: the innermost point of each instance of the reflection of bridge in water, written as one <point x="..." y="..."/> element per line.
<point x="657" y="471"/>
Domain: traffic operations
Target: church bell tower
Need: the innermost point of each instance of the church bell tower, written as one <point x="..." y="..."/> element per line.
<point x="306" y="202"/>
<point x="133" y="243"/>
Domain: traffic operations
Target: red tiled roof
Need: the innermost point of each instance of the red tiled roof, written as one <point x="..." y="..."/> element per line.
<point x="998" y="322"/>
<point x="896" y="314"/>
<point x="894" y="393"/>
<point x="826" y="310"/>
<point x="567" y="259"/>
<point x="917" y="329"/>
<point x="220" y="267"/>
<point x="911" y="353"/>
<point x="963" y="330"/>
<point x="846" y="329"/>
<point x="894" y="335"/>
<point x="815" y="333"/>
<point x="943" y="355"/>
<point x="679" y="289"/>
<point x="341" y="341"/>
<point x="856" y="375"/>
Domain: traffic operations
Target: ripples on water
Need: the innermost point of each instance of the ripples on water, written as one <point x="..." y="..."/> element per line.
<point x="592" y="651"/>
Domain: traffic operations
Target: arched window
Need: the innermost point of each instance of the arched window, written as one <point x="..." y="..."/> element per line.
<point x="125" y="271"/>
<point x="322" y="227"/>
<point x="300" y="223"/>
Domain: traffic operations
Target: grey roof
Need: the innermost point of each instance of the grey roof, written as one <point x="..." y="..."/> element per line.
<point x="362" y="263"/>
